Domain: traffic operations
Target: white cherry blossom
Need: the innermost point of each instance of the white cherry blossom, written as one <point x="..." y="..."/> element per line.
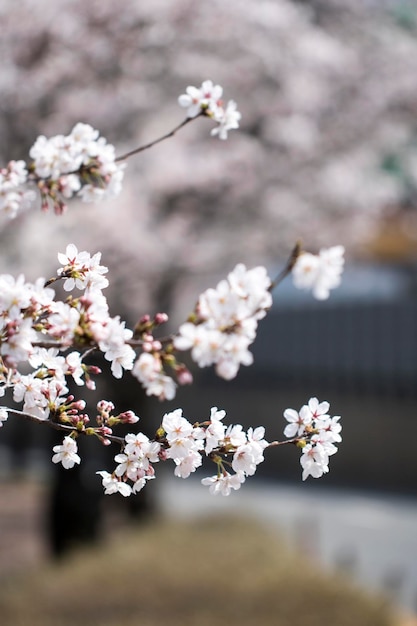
<point x="227" y="119"/>
<point x="298" y="421"/>
<point x="81" y="163"/>
<point x="38" y="330"/>
<point x="317" y="433"/>
<point x="321" y="272"/>
<point x="112" y="485"/>
<point x="206" y="98"/>
<point x="227" y="319"/>
<point x="215" y="431"/>
<point x="314" y="461"/>
<point x="224" y="483"/>
<point x="66" y="453"/>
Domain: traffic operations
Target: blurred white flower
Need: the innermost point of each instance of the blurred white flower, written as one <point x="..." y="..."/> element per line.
<point x="321" y="272"/>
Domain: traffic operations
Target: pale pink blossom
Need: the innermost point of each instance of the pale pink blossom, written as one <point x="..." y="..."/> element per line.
<point x="224" y="483"/>
<point x="314" y="461"/>
<point x="140" y="447"/>
<point x="188" y="464"/>
<point x="140" y="483"/>
<point x="66" y="453"/>
<point x="227" y="319"/>
<point x="318" y="434"/>
<point x="319" y="273"/>
<point x="175" y="425"/>
<point x="111" y="484"/>
<point x="163" y="387"/>
<point x="74" y="366"/>
<point x="214" y="433"/>
<point x="82" y="270"/>
<point x="227" y="119"/>
<point x="206" y="98"/>
<point x="127" y="465"/>
<point x="298" y="421"/>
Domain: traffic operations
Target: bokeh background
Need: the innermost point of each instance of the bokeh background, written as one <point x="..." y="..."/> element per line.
<point x="326" y="153"/>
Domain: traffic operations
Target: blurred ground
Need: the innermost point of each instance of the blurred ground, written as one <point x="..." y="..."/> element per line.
<point x="21" y="535"/>
<point x="368" y="537"/>
<point x="365" y="524"/>
<point x="182" y="573"/>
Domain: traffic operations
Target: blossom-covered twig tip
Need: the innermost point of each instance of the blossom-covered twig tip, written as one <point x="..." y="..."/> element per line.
<point x="317" y="435"/>
<point x="207" y="100"/>
<point x="319" y="272"/>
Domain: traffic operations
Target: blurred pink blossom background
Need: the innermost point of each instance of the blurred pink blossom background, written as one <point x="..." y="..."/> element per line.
<point x="326" y="146"/>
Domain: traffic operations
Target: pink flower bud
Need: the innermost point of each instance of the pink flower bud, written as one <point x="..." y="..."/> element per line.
<point x="161" y="318"/>
<point x="79" y="405"/>
<point x="104" y="406"/>
<point x="184" y="376"/>
<point x="128" y="417"/>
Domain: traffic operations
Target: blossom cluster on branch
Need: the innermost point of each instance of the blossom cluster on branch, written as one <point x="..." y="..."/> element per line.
<point x="54" y="337"/>
<point x="229" y="447"/>
<point x="207" y="100"/>
<point x="79" y="164"/>
<point x="83" y="164"/>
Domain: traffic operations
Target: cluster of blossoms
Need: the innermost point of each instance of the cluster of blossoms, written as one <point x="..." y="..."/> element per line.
<point x="31" y="319"/>
<point x="149" y="368"/>
<point x="207" y="100"/>
<point x="84" y="165"/>
<point x="38" y="330"/>
<point x="321" y="272"/>
<point x="229" y="447"/>
<point x="186" y="444"/>
<point x="79" y="164"/>
<point x="223" y="325"/>
<point x="225" y="321"/>
<point x="13" y="195"/>
<point x="316" y="433"/>
<point x="54" y="337"/>
<point x="86" y="320"/>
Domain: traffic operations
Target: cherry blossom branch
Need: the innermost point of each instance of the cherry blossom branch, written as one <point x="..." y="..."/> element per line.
<point x="41" y="420"/>
<point x="131" y="153"/>
<point x="54" y="337"/>
<point x="120" y="440"/>
<point x="292" y="259"/>
<point x="64" y="427"/>
<point x="294" y="440"/>
<point x="218" y="332"/>
<point x="316" y="434"/>
<point x="83" y="164"/>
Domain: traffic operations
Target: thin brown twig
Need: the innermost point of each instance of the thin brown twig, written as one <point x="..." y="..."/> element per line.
<point x="295" y="440"/>
<point x="58" y="426"/>
<point x="134" y="343"/>
<point x="295" y="253"/>
<point x="125" y="156"/>
<point x="156" y="141"/>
